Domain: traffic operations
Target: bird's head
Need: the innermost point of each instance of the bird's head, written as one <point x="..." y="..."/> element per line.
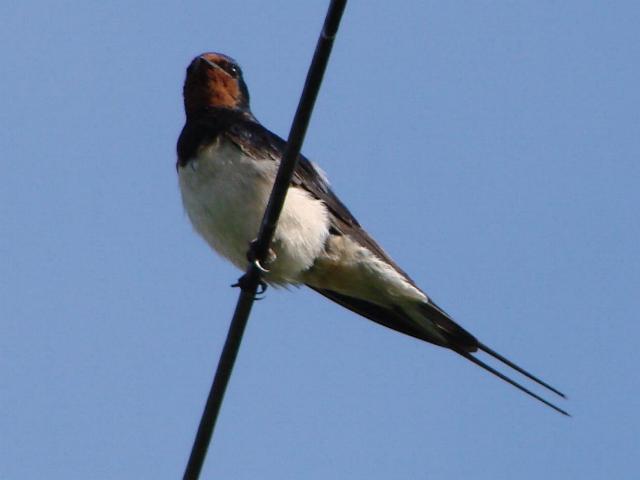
<point x="214" y="81"/>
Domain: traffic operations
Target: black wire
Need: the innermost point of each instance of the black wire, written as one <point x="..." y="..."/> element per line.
<point x="252" y="278"/>
<point x="299" y="127"/>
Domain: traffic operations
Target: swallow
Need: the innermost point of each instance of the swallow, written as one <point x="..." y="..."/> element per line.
<point x="227" y="163"/>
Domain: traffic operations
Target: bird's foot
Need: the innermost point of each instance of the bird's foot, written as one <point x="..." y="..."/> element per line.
<point x="265" y="265"/>
<point x="246" y="283"/>
<point x="252" y="279"/>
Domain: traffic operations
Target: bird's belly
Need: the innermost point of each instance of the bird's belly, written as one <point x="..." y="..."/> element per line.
<point x="225" y="193"/>
<point x="348" y="268"/>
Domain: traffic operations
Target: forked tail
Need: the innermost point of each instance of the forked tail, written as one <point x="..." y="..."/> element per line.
<point x="442" y="331"/>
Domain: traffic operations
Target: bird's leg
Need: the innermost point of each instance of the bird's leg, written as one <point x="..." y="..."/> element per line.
<point x="244" y="282"/>
<point x="265" y="265"/>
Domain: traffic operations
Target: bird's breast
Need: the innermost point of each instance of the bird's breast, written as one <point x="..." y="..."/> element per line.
<point x="225" y="192"/>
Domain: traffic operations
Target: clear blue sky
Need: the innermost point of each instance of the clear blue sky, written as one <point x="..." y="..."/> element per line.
<point x="492" y="147"/>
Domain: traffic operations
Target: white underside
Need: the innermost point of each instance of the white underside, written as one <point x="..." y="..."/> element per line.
<point x="225" y="193"/>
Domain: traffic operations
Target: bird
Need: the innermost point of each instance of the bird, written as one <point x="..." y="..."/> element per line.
<point x="227" y="162"/>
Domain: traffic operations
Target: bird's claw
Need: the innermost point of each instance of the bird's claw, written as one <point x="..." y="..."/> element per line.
<point x="265" y="265"/>
<point x="260" y="290"/>
<point x="244" y="283"/>
<point x="258" y="265"/>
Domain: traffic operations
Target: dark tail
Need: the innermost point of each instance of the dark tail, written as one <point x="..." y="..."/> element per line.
<point x="457" y="338"/>
<point x="509" y="363"/>
<point x="492" y="370"/>
<point x="463" y="343"/>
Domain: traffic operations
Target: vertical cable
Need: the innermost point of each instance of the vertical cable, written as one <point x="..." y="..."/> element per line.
<point x="252" y="278"/>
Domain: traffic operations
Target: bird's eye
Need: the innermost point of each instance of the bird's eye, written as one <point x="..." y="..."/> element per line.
<point x="233" y="70"/>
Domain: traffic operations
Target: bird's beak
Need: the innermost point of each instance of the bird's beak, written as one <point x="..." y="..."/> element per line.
<point x="210" y="63"/>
